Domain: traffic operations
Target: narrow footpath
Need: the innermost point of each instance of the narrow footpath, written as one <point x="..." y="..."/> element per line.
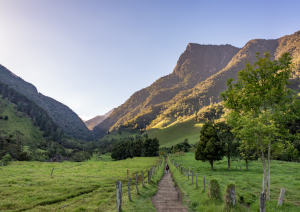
<point x="168" y="198"/>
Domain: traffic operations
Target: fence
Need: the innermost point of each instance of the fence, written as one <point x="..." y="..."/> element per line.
<point x="151" y="172"/>
<point x="187" y="171"/>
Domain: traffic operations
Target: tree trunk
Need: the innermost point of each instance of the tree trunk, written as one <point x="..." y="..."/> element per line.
<point x="247" y="165"/>
<point x="269" y="172"/>
<point x="211" y="164"/>
<point x="228" y="162"/>
<point x="265" y="171"/>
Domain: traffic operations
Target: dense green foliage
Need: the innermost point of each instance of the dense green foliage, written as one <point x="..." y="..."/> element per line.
<point x="259" y="104"/>
<point x="63" y="116"/>
<point x="142" y="147"/>
<point x="210" y="148"/>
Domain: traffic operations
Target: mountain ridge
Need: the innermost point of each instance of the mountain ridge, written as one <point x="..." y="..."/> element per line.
<point x="194" y="65"/>
<point x="61" y="114"/>
<point x="91" y="123"/>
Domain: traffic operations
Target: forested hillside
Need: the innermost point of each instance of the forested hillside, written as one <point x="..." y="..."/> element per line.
<point x="91" y="123"/>
<point x="196" y="63"/>
<point x="62" y="115"/>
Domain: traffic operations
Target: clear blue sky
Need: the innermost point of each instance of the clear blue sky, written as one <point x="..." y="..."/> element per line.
<point x="92" y="55"/>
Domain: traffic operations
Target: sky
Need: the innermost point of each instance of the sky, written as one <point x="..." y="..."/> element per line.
<point x="92" y="55"/>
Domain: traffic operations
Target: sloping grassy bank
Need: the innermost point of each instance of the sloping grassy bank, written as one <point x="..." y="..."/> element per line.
<point x="248" y="184"/>
<point x="176" y="132"/>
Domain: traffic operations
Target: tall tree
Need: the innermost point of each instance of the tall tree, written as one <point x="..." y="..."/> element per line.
<point x="227" y="138"/>
<point x="258" y="102"/>
<point x="210" y="148"/>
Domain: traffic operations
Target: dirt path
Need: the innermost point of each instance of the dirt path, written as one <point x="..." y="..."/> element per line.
<point x="168" y="197"/>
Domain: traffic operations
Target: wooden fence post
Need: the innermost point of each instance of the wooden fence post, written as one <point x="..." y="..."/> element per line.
<point x="119" y="195"/>
<point x="196" y="180"/>
<point x="143" y="181"/>
<point x="129" y="195"/>
<point x="192" y="177"/>
<point x="281" y="196"/>
<point x="262" y="200"/>
<point x="52" y="171"/>
<point x="203" y="183"/>
<point x="136" y="179"/>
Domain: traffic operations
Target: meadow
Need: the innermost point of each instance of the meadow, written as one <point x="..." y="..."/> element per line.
<point x="84" y="186"/>
<point x="170" y="132"/>
<point x="248" y="184"/>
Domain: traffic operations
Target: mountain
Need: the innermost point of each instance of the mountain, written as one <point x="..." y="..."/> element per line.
<point x="198" y="79"/>
<point x="208" y="91"/>
<point x="91" y="123"/>
<point x="196" y="63"/>
<point x="62" y="115"/>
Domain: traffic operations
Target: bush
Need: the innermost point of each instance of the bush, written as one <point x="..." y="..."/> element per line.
<point x="6" y="118"/>
<point x="6" y="159"/>
<point x="80" y="156"/>
<point x="214" y="190"/>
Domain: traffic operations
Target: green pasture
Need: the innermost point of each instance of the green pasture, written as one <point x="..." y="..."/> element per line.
<point x="117" y="135"/>
<point x="84" y="186"/>
<point x="248" y="184"/>
<point x="176" y="132"/>
<point x="21" y="123"/>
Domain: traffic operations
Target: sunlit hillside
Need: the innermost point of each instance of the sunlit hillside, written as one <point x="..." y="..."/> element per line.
<point x="170" y="131"/>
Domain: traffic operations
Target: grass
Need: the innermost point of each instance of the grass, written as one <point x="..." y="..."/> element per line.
<point x="116" y="135"/>
<point x="175" y="132"/>
<point x="248" y="184"/>
<point x="84" y="186"/>
<point x="22" y="124"/>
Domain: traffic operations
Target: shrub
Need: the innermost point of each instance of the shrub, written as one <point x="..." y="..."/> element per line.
<point x="80" y="156"/>
<point x="6" y="118"/>
<point x="214" y="190"/>
<point x="6" y="159"/>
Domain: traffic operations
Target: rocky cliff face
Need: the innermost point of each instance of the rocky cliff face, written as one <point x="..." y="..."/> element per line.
<point x="196" y="64"/>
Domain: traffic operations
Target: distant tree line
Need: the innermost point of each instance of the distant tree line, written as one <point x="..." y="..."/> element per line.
<point x="142" y="147"/>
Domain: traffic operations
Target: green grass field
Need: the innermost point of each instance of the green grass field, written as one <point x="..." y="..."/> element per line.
<point x="248" y="184"/>
<point x="22" y="123"/>
<point x="175" y="132"/>
<point x="116" y="135"/>
<point x="85" y="186"/>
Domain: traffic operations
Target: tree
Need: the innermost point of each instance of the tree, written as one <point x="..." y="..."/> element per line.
<point x="227" y="138"/>
<point x="209" y="148"/>
<point x="248" y="153"/>
<point x="258" y="103"/>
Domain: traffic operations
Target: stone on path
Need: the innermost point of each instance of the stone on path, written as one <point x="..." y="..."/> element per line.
<point x="167" y="198"/>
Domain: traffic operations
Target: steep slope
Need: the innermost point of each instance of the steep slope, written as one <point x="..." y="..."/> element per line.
<point x="196" y="63"/>
<point x="62" y="115"/>
<point x="209" y="90"/>
<point x="18" y="122"/>
<point x="91" y="123"/>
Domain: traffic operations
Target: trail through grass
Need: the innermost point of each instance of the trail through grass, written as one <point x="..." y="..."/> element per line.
<point x="248" y="184"/>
